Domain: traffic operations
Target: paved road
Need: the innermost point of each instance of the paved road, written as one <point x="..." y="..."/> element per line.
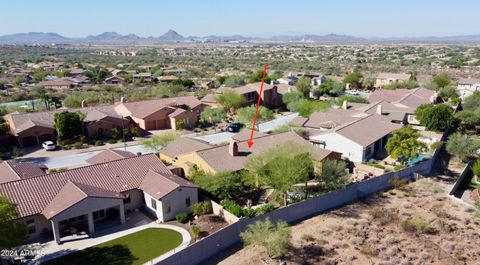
<point x="263" y="127"/>
<point x="77" y="160"/>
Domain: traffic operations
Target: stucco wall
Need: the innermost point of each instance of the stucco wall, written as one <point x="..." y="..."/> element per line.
<point x="341" y="144"/>
<point x="136" y="199"/>
<point x="86" y="206"/>
<point x="41" y="225"/>
<point x="177" y="200"/>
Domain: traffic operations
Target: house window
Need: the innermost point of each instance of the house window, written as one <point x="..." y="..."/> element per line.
<point x="153" y="202"/>
<point x="168" y="207"/>
<point x="127" y="200"/>
<point x="187" y="201"/>
<point x="97" y="215"/>
<point x="30" y="226"/>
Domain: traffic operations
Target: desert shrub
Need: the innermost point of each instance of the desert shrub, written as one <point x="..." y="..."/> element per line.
<point x="181" y="217"/>
<point x="417" y="225"/>
<point x="98" y="143"/>
<point x="201" y="208"/>
<point x="307" y="237"/>
<point x="274" y="237"/>
<point x="398" y="183"/>
<point x="264" y="209"/>
<point x="383" y="216"/>
<point x="195" y="231"/>
<point x="112" y="141"/>
<point x="369" y="249"/>
<point x="444" y="226"/>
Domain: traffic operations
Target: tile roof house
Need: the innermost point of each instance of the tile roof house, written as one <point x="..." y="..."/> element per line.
<point x="108" y="155"/>
<point x="12" y="170"/>
<point x="31" y="129"/>
<point x="233" y="157"/>
<point x="165" y="113"/>
<point x="383" y="79"/>
<point x="409" y="97"/>
<point x="467" y="86"/>
<point x="270" y="97"/>
<point x="79" y="198"/>
<point x="358" y="140"/>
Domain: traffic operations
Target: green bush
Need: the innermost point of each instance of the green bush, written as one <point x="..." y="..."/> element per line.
<point x="248" y="212"/>
<point x="232" y="207"/>
<point x="98" y="143"/>
<point x="112" y="141"/>
<point x="437" y="145"/>
<point x="181" y="217"/>
<point x="17" y="152"/>
<point x="398" y="167"/>
<point x="195" y="231"/>
<point x="78" y="145"/>
<point x="201" y="208"/>
<point x="264" y="209"/>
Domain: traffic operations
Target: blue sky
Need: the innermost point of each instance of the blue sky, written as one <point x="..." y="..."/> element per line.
<point x="387" y="18"/>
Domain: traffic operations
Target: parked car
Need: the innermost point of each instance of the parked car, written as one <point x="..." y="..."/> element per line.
<point x="49" y="145"/>
<point x="234" y="127"/>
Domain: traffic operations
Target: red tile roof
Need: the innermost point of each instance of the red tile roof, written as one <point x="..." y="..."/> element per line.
<point x="32" y="195"/>
<point x="159" y="185"/>
<point x="108" y="155"/>
<point x="14" y="170"/>
<point x="74" y="192"/>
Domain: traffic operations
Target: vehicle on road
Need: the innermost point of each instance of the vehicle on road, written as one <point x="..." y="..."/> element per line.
<point x="49" y="145"/>
<point x="234" y="127"/>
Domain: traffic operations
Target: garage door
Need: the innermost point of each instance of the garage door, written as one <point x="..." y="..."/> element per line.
<point x="45" y="137"/>
<point x="150" y="125"/>
<point x="29" y="141"/>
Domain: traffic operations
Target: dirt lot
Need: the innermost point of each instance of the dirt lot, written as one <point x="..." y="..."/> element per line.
<point x="417" y="224"/>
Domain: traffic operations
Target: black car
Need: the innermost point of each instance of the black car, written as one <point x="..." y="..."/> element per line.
<point x="234" y="127"/>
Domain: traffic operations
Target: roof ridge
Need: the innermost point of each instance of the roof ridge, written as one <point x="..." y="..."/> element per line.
<point x="160" y="174"/>
<point x="74" y="183"/>
<point x="13" y="170"/>
<point x="78" y="168"/>
<point x="352" y="122"/>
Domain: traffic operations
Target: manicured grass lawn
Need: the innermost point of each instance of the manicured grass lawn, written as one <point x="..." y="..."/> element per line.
<point x="132" y="249"/>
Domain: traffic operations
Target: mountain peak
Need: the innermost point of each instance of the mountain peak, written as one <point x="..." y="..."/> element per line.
<point x="171" y="35"/>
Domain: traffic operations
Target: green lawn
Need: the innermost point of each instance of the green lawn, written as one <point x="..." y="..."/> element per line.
<point x="136" y="249"/>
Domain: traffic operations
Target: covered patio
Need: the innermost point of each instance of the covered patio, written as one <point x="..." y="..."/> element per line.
<point x="78" y="209"/>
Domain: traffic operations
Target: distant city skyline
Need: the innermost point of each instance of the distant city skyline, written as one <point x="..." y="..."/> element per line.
<point x="249" y="18"/>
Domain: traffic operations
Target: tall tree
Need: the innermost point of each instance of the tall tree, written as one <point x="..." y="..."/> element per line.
<point x="245" y="115"/>
<point x="67" y="124"/>
<point x="157" y="142"/>
<point x="463" y="146"/>
<point x="213" y="115"/>
<point x="13" y="232"/>
<point x="230" y="100"/>
<point x="354" y="79"/>
<point x="334" y="175"/>
<point x="442" y="80"/>
<point x="435" y="117"/>
<point x="304" y="85"/>
<point x="404" y="142"/>
<point x="282" y="167"/>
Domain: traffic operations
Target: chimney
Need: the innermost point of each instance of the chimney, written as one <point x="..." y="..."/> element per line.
<point x="379" y="110"/>
<point x="345" y="104"/>
<point x="233" y="148"/>
<point x="122" y="100"/>
<point x="84" y="104"/>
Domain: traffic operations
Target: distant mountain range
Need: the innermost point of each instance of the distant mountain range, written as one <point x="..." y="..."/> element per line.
<point x="172" y="36"/>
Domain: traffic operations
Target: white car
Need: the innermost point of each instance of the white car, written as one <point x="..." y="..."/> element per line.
<point x="49" y="145"/>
